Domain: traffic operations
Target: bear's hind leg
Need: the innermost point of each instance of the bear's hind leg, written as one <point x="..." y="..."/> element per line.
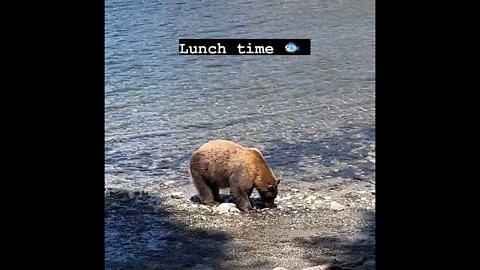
<point x="216" y="193"/>
<point x="206" y="194"/>
<point x="204" y="191"/>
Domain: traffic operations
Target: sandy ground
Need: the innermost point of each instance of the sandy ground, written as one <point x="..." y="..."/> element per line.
<point x="315" y="222"/>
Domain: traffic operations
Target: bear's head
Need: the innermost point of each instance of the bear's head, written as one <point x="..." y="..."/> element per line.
<point x="266" y="182"/>
<point x="268" y="195"/>
<point x="269" y="191"/>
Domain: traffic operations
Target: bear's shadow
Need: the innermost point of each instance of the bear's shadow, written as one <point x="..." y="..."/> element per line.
<point x="257" y="203"/>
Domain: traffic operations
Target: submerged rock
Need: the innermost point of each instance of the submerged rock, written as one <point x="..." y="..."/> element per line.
<point x="131" y="195"/>
<point x="203" y="267"/>
<point x="123" y="194"/>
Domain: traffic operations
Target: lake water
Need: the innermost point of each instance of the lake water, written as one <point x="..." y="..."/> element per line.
<point x="312" y="116"/>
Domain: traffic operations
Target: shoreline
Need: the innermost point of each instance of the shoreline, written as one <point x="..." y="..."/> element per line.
<point x="314" y="223"/>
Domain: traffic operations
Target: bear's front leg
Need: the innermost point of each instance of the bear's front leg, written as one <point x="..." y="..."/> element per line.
<point x="241" y="200"/>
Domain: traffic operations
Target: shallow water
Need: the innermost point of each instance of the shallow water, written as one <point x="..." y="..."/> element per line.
<point x="312" y="116"/>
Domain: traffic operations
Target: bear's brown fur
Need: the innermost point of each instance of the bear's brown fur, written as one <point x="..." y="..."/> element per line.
<point x="224" y="164"/>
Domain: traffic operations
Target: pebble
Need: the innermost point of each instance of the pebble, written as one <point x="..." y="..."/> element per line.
<point x="131" y="195"/>
<point x="205" y="207"/>
<point x="337" y="206"/>
<point x="295" y="189"/>
<point x="169" y="183"/>
<point x="177" y="195"/>
<point x="224" y="208"/>
<point x="311" y="198"/>
<point x="327" y="198"/>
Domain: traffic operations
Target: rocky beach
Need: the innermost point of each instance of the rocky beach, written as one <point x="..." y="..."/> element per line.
<point x="313" y="224"/>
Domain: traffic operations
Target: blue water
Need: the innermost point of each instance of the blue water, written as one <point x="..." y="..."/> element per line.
<point x="312" y="116"/>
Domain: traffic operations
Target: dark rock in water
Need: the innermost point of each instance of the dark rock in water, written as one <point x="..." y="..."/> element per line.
<point x="123" y="194"/>
<point x="117" y="191"/>
<point x="203" y="267"/>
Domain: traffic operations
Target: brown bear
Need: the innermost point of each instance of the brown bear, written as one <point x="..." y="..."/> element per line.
<point x="224" y="164"/>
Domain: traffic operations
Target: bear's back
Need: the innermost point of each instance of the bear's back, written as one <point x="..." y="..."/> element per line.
<point x="223" y="153"/>
<point x="219" y="149"/>
<point x="228" y="150"/>
<point x="216" y="155"/>
<point x="220" y="145"/>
